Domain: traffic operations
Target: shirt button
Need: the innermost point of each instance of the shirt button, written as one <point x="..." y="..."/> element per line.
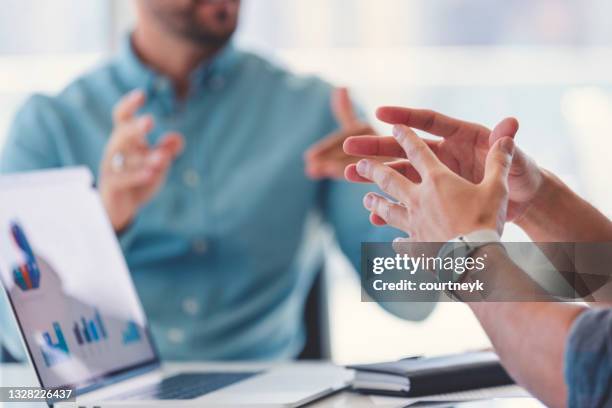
<point x="191" y="306"/>
<point x="176" y="335"/>
<point x="216" y="83"/>
<point x="191" y="178"/>
<point x="200" y="246"/>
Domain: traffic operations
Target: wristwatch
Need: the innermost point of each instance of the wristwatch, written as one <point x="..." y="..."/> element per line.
<point x="462" y="247"/>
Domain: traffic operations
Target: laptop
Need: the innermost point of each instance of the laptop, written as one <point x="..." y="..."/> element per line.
<point x="82" y="323"/>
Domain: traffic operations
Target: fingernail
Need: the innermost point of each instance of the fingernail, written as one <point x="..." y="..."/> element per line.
<point x="507" y="145"/>
<point x="398" y="132"/>
<point x="368" y="201"/>
<point x="362" y="167"/>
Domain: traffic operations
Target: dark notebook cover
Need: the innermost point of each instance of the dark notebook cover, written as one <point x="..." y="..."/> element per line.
<point x="437" y="375"/>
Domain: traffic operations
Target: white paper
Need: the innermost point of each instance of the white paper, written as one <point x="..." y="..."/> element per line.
<point x="506" y="391"/>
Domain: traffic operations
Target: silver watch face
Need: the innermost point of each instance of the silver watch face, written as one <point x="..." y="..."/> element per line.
<point x="452" y="249"/>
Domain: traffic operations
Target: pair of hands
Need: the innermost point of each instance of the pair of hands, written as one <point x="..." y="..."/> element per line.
<point x="470" y="179"/>
<point x="132" y="171"/>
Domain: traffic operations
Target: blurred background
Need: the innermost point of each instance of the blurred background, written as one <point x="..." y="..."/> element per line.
<point x="549" y="63"/>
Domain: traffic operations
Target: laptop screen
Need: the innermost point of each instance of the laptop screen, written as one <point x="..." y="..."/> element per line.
<point x="67" y="281"/>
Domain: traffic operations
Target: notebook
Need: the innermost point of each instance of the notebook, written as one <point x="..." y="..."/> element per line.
<point x="420" y="376"/>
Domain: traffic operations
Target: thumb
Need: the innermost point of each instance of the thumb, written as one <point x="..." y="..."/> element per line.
<point x="499" y="159"/>
<point x="506" y="128"/>
<point x="342" y="108"/>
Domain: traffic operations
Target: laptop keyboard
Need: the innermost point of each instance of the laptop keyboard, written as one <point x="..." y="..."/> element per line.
<point x="186" y="386"/>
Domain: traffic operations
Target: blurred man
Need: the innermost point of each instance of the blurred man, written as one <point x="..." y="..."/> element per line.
<point x="197" y="149"/>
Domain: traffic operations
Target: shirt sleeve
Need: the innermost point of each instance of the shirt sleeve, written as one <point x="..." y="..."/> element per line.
<point x="29" y="146"/>
<point x="588" y="360"/>
<point x="31" y="143"/>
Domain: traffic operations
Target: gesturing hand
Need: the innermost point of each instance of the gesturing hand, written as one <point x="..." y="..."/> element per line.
<point x="327" y="159"/>
<point x="434" y="204"/>
<point x="463" y="149"/>
<point x="131" y="171"/>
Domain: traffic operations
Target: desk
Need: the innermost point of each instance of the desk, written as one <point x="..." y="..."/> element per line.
<point x="23" y="375"/>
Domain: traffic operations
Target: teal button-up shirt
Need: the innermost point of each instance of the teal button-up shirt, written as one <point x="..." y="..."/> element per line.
<point x="224" y="256"/>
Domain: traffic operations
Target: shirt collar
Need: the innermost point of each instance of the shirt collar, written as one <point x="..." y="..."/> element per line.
<point x="137" y="74"/>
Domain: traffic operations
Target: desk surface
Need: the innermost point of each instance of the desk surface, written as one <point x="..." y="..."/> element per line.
<point x="23" y="375"/>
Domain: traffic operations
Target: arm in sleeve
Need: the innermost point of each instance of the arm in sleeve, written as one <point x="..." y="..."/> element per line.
<point x="31" y="143"/>
<point x="588" y="360"/>
<point x="29" y="146"/>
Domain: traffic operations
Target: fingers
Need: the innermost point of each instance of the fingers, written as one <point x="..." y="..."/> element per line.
<point x="389" y="180"/>
<point x="375" y="146"/>
<point x="327" y="159"/>
<point x="406" y="169"/>
<point x="342" y="108"/>
<point x="161" y="157"/>
<point x="334" y="142"/>
<point x="172" y="143"/>
<point x="134" y="179"/>
<point x="506" y="128"/>
<point x="376" y="220"/>
<point x="391" y="213"/>
<point x="417" y="151"/>
<point x="143" y="166"/>
<point x="127" y="107"/>
<point x="402" y="245"/>
<point x="151" y="168"/>
<point x="401" y="166"/>
<point x="429" y="121"/>
<point x="498" y="161"/>
<point x="351" y="174"/>
<point x="132" y="133"/>
<point x="323" y="145"/>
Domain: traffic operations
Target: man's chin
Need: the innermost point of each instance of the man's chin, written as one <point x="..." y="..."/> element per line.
<point x="210" y="39"/>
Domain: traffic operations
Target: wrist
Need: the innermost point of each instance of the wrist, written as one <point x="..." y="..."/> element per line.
<point x="493" y="255"/>
<point x="465" y="249"/>
<point x="119" y="217"/>
<point x="546" y="193"/>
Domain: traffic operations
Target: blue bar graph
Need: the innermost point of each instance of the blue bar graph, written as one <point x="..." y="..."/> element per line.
<point x="26" y="274"/>
<point x="54" y="352"/>
<point x="131" y="334"/>
<point x="87" y="331"/>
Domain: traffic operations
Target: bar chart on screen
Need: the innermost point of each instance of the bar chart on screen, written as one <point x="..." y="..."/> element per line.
<point x="131" y="334"/>
<point x="26" y="274"/>
<point x="89" y="331"/>
<point x="54" y="348"/>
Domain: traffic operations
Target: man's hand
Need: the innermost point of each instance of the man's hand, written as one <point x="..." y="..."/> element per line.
<point x="463" y="148"/>
<point x="131" y="171"/>
<point x="327" y="159"/>
<point x="435" y="204"/>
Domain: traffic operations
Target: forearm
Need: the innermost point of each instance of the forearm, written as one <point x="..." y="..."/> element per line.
<point x="557" y="214"/>
<point x="531" y="354"/>
<point x="529" y="337"/>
